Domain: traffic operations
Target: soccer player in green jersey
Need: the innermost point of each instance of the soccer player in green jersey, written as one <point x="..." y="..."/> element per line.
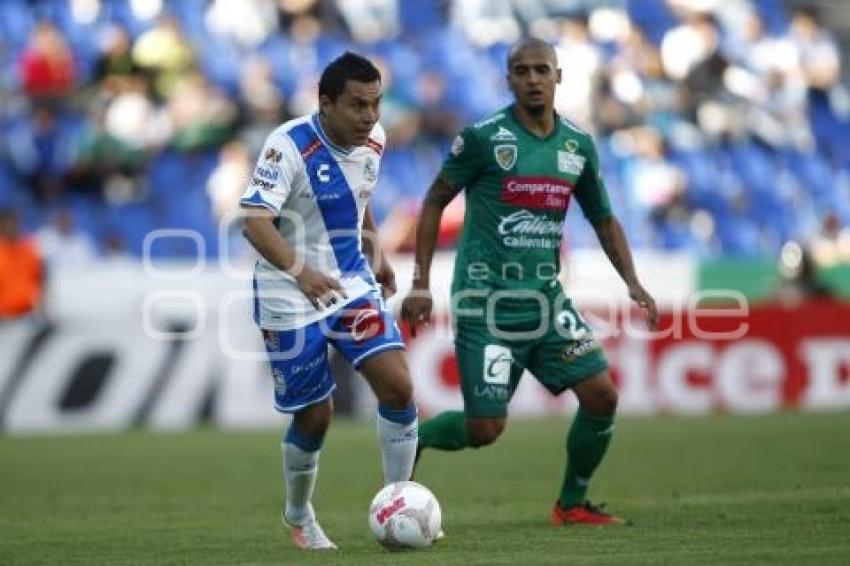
<point x="520" y="167"/>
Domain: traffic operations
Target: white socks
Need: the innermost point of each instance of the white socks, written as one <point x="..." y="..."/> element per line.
<point x="300" y="469"/>
<point x="398" y="436"/>
<point x="398" y="447"/>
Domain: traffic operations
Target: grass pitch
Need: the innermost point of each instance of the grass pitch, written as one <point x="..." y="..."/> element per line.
<point x="720" y="490"/>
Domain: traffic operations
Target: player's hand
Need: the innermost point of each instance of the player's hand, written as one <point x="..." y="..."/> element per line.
<point x="322" y="290"/>
<point x="645" y="301"/>
<point x="416" y="308"/>
<point x="385" y="275"/>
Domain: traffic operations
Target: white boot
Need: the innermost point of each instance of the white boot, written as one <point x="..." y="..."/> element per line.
<point x="307" y="534"/>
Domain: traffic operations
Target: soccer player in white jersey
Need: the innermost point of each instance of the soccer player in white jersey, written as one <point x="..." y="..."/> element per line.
<point x="322" y="279"/>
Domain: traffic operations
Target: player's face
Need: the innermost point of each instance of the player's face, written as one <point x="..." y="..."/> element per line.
<point x="354" y="113"/>
<point x="532" y="77"/>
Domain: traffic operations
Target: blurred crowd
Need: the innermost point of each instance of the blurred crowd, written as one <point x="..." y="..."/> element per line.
<point x="722" y="125"/>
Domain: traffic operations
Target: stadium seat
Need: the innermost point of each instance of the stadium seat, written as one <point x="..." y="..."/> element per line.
<point x="16" y="23"/>
<point x="773" y="14"/>
<point x="652" y="16"/>
<point x="757" y="196"/>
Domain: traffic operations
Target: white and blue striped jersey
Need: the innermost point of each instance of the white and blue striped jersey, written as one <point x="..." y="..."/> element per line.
<point x="319" y="192"/>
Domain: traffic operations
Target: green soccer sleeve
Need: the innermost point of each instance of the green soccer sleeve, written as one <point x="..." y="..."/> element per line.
<point x="465" y="160"/>
<point x="590" y="192"/>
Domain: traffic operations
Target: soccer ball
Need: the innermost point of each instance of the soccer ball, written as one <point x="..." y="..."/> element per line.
<point x="405" y="514"/>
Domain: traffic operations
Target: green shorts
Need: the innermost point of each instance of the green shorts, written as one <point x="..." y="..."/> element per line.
<point x="491" y="360"/>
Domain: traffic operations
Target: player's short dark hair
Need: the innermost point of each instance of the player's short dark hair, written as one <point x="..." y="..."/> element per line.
<point x="347" y="67"/>
<point x="530" y="43"/>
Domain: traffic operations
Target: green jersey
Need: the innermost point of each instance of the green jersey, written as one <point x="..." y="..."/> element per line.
<point x="518" y="187"/>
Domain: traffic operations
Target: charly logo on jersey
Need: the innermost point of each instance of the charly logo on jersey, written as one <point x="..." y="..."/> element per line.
<point x="322" y="173"/>
<point x="497" y="364"/>
<point x="570" y="163"/>
<point x="524" y="229"/>
<point x="370" y="170"/>
<point x="503" y="135"/>
<point x="505" y="155"/>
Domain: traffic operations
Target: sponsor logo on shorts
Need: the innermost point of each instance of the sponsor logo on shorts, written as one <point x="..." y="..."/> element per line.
<point x="307" y="366"/>
<point x="579" y="349"/>
<point x="364" y="323"/>
<point x="492" y="392"/>
<point x="497" y="364"/>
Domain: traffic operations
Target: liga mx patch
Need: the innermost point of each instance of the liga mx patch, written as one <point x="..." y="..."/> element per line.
<point x="273" y="156"/>
<point x="570" y="163"/>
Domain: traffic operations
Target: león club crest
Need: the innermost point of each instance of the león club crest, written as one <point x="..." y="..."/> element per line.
<point x="505" y="156"/>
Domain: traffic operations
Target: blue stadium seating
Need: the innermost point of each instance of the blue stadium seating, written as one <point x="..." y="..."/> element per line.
<point x="758" y="197"/>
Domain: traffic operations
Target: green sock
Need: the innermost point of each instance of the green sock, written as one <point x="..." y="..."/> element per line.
<point x="587" y="443"/>
<point x="446" y="431"/>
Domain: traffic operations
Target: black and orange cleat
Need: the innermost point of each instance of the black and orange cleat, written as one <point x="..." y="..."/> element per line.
<point x="585" y="513"/>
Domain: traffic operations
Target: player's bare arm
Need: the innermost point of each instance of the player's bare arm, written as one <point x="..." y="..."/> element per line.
<point x="416" y="307"/>
<point x="259" y="229"/>
<point x="384" y="273"/>
<point x="613" y="241"/>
